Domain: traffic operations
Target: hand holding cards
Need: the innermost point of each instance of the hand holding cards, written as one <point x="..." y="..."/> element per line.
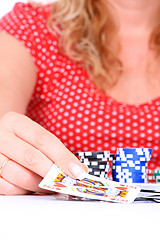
<point x="89" y="187"/>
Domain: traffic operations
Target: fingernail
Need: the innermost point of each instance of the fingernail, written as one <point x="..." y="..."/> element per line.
<point x="77" y="171"/>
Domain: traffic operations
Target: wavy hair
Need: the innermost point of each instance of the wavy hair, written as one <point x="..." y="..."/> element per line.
<point x="86" y="32"/>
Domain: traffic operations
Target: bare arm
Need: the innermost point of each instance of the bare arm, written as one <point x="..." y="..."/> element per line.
<point x="32" y="150"/>
<point x="17" y="75"/>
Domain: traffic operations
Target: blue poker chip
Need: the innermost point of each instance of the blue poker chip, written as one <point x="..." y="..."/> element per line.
<point x="134" y="162"/>
<point x="122" y="170"/>
<point x="130" y="177"/>
<point x="130" y="165"/>
<point x="130" y="180"/>
<point x="125" y="170"/>
<point x="140" y="158"/>
<point x="134" y="153"/>
<point x="139" y="151"/>
<point x="129" y="174"/>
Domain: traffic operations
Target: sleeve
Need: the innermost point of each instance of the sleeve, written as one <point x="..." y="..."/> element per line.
<point x="27" y="24"/>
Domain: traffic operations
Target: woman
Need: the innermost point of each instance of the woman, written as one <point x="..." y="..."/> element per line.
<point x="87" y="71"/>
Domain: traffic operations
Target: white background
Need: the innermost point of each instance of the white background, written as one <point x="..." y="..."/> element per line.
<point x="6" y="5"/>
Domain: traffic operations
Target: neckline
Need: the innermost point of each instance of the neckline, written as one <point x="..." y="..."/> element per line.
<point x="93" y="89"/>
<point x="111" y="100"/>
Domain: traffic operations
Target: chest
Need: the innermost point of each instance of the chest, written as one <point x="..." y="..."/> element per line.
<point x="139" y="81"/>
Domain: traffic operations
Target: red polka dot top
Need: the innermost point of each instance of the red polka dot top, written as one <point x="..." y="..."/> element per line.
<point x="65" y="100"/>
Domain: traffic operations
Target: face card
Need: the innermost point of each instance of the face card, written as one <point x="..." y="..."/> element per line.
<point x="90" y="187"/>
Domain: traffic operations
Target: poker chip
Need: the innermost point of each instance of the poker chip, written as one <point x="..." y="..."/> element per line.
<point x="142" y="154"/>
<point x="95" y="155"/>
<point x="99" y="163"/>
<point x="153" y="176"/>
<point x="130" y="165"/>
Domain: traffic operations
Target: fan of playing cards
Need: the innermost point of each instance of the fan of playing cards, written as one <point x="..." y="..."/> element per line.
<point x="90" y="187"/>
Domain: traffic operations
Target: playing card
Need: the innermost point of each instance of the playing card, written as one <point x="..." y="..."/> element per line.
<point x="90" y="187"/>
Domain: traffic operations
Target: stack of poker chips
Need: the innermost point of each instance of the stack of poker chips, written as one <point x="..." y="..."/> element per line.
<point x="153" y="176"/>
<point x="130" y="165"/>
<point x="98" y="163"/>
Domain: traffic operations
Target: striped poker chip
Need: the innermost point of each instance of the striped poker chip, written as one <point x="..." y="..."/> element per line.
<point x="130" y="177"/>
<point x="98" y="163"/>
<point x="98" y="168"/>
<point x="153" y="176"/>
<point x="119" y="169"/>
<point x="130" y="180"/>
<point x="134" y="153"/>
<point x="103" y="159"/>
<point x="130" y="165"/>
<point x="98" y="173"/>
<point x="95" y="159"/>
<point x="89" y="162"/>
<point x="140" y="158"/>
<point x="95" y="155"/>
<point x="130" y="174"/>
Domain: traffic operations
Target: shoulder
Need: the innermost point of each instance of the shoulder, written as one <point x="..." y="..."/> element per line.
<point x="27" y="23"/>
<point x="31" y="9"/>
<point x="25" y="15"/>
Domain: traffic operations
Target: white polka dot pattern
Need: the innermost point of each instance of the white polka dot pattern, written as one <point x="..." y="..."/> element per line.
<point x="66" y="102"/>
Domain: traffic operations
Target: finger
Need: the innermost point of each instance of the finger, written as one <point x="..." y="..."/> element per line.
<point x="20" y="176"/>
<point x="7" y="188"/>
<point x="25" y="154"/>
<point x="48" y="144"/>
<point x="85" y="168"/>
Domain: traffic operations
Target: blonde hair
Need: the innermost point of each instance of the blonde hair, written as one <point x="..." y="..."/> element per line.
<point x="86" y="29"/>
<point x="86" y="32"/>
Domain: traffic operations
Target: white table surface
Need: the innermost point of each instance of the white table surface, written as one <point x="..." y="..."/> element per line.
<point x="45" y="217"/>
